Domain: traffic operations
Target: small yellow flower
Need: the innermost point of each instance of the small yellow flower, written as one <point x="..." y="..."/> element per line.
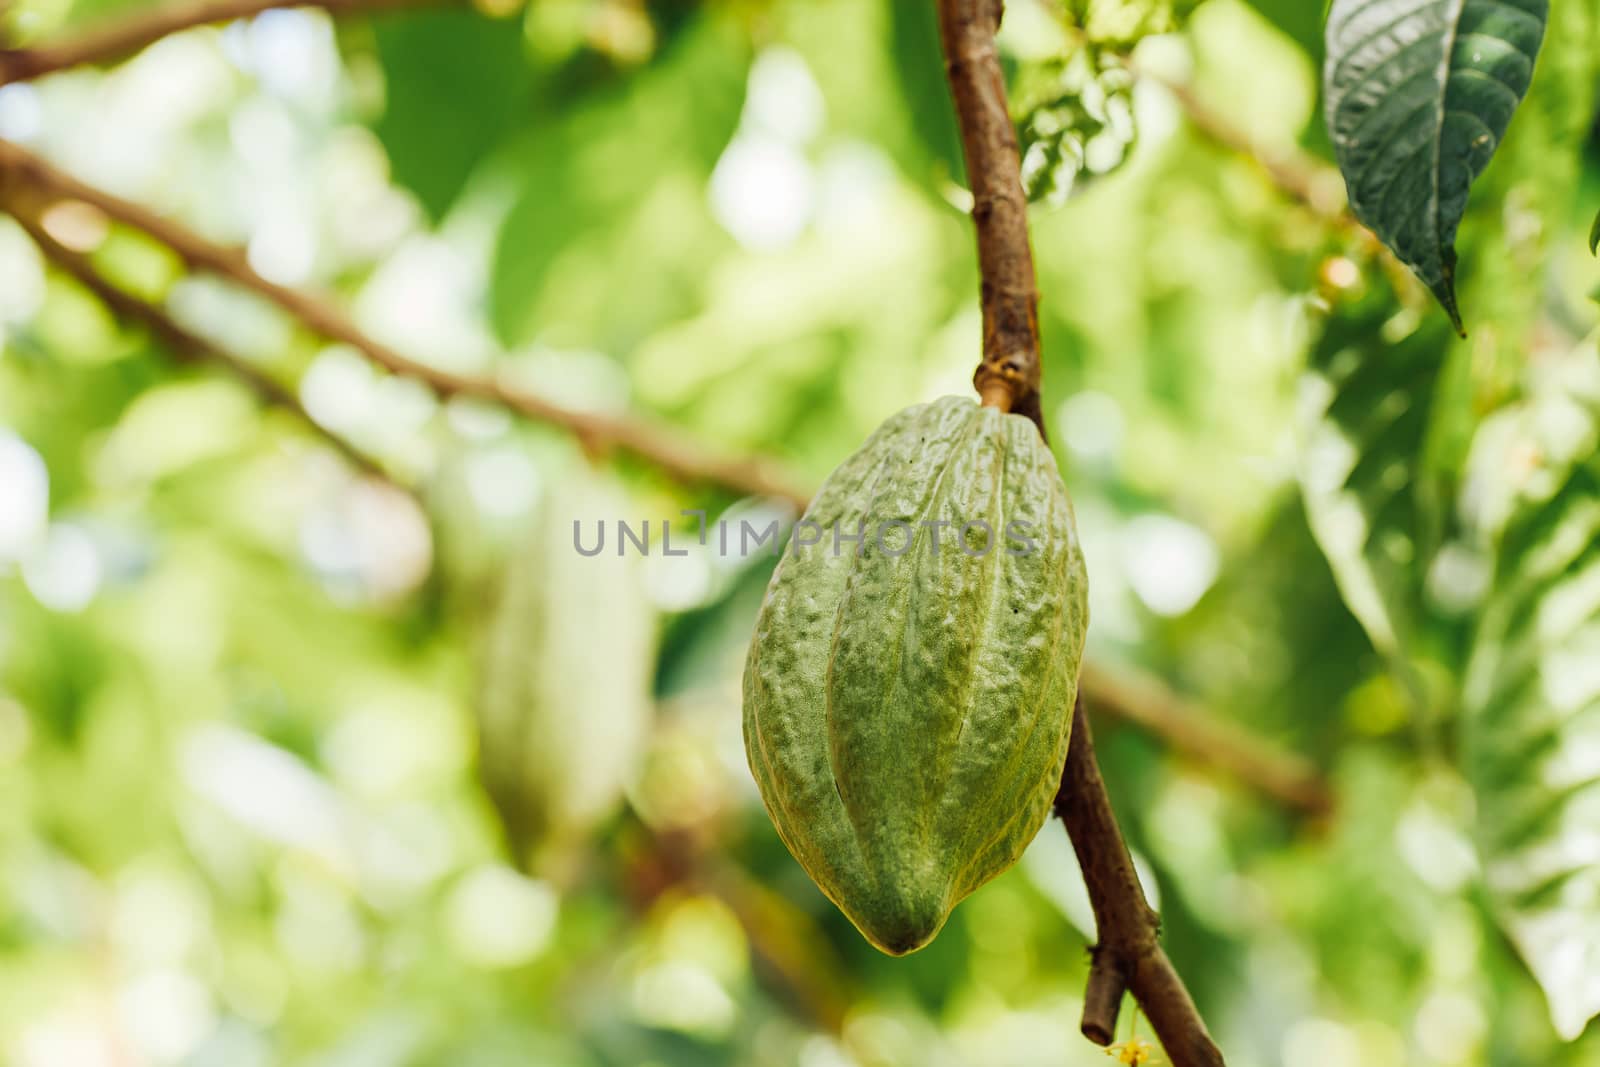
<point x="1133" y="1051"/>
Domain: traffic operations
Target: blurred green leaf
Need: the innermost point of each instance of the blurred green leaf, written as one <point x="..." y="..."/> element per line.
<point x="1419" y="95"/>
<point x="672" y="118"/>
<point x="1594" y="237"/>
<point x="456" y="84"/>
<point x="1300" y="20"/>
<point x="1380" y="425"/>
<point x="1530" y="735"/>
<point x="920" y="79"/>
<point x="708" y="644"/>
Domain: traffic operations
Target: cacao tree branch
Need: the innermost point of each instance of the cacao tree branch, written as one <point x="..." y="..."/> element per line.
<point x="183" y="345"/>
<point x="1008" y="377"/>
<point x="676" y="456"/>
<point x="1128" y="954"/>
<point x="122" y="37"/>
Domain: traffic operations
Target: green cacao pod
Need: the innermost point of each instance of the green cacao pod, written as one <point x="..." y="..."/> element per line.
<point x="908" y="697"/>
<point x="564" y="707"/>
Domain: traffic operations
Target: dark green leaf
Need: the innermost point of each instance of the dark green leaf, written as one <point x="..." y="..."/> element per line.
<point x="1418" y="97"/>
<point x="1594" y="237"/>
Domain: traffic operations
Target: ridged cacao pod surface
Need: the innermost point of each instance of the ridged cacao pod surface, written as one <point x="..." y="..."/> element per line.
<point x="908" y="699"/>
<point x="564" y="708"/>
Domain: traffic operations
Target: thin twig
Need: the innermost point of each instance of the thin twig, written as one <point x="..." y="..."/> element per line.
<point x="124" y="36"/>
<point x="1128" y="954"/>
<point x="665" y="449"/>
<point x="1148" y="704"/>
<point x="181" y="344"/>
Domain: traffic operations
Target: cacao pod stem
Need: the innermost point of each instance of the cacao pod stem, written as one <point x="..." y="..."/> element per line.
<point x="1129" y="954"/>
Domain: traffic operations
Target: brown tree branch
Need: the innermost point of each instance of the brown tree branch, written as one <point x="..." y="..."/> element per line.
<point x="1128" y="954"/>
<point x="183" y="346"/>
<point x="124" y="36"/>
<point x="1009" y="375"/>
<point x="670" y="452"/>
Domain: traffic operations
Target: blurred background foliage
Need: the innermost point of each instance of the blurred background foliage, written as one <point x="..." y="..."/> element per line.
<point x="241" y="813"/>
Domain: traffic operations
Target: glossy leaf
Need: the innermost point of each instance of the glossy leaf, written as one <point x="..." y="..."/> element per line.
<point x="1532" y="697"/>
<point x="1418" y="97"/>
